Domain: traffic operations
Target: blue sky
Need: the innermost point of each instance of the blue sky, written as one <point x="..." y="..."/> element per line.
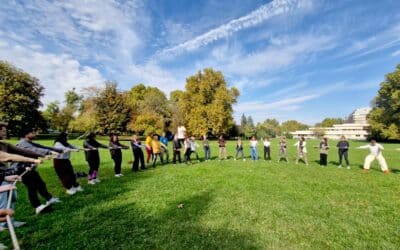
<point x="290" y="59"/>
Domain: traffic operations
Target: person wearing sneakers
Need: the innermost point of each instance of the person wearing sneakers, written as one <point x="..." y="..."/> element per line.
<point x="253" y="148"/>
<point x="116" y="153"/>
<point x="92" y="157"/>
<point x="375" y="152"/>
<point x="343" y="150"/>
<point x="63" y="165"/>
<point x="283" y="150"/>
<point x="239" y="149"/>
<point x="176" y="148"/>
<point x="32" y="179"/>
<point x="301" y="150"/>
<point x="267" y="149"/>
<point x="10" y="153"/>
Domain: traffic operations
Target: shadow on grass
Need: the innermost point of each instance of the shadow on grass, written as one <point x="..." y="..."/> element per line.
<point x="126" y="226"/>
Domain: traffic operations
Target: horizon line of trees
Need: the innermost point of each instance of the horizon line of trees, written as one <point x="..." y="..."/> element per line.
<point x="203" y="107"/>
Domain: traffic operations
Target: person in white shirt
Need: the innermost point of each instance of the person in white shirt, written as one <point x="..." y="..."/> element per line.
<point x="267" y="149"/>
<point x="253" y="148"/>
<point x="181" y="133"/>
<point x="375" y="152"/>
<point x="301" y="150"/>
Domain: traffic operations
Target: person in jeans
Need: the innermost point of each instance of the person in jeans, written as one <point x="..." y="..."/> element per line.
<point x="253" y="148"/>
<point x="343" y="150"/>
<point x="239" y="149"/>
<point x="206" y="147"/>
<point x="63" y="165"/>
<point x="137" y="153"/>
<point x="267" y="149"/>
<point x="116" y="153"/>
<point x="222" y="148"/>
<point x="375" y="153"/>
<point x="176" y="147"/>
<point x="301" y="150"/>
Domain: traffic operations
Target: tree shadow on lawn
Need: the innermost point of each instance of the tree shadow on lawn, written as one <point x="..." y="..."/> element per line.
<point x="126" y="226"/>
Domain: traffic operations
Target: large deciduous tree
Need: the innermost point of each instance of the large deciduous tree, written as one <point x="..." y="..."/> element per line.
<point x="149" y="109"/>
<point x="270" y="127"/>
<point x="385" y="115"/>
<point x="19" y="99"/>
<point x="292" y="125"/>
<point x="207" y="103"/>
<point x="111" y="110"/>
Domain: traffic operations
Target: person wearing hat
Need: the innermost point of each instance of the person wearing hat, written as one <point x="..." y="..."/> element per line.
<point x="92" y="157"/>
<point x="32" y="179"/>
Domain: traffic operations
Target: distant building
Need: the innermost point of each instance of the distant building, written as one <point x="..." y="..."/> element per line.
<point x="355" y="128"/>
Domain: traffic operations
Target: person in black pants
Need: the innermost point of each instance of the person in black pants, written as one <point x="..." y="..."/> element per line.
<point x="137" y="153"/>
<point x="116" y="153"/>
<point x="32" y="179"/>
<point x="92" y="157"/>
<point x="343" y="149"/>
<point x="267" y="149"/>
<point x="63" y="165"/>
<point x="323" y="152"/>
<point x="177" y="147"/>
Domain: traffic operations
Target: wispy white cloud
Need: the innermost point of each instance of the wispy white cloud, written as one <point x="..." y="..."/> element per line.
<point x="252" y="19"/>
<point x="58" y="73"/>
<point x="396" y="53"/>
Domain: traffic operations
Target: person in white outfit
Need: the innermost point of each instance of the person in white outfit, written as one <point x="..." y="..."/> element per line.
<point x="375" y="152"/>
<point x="301" y="150"/>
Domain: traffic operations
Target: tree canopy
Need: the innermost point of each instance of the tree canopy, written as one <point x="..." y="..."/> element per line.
<point x="385" y="115"/>
<point x="207" y="103"/>
<point x="20" y="95"/>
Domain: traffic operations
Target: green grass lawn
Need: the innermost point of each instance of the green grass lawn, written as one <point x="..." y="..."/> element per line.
<point x="227" y="205"/>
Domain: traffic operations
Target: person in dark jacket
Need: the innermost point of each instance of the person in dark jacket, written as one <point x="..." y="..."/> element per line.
<point x="92" y="157"/>
<point x="32" y="179"/>
<point x="137" y="153"/>
<point x="116" y="153"/>
<point x="343" y="150"/>
<point x="176" y="148"/>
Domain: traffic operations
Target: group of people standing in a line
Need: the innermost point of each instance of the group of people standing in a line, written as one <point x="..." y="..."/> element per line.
<point x="27" y="152"/>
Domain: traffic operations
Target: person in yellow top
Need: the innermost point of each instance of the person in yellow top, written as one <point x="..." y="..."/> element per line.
<point x="148" y="146"/>
<point x="156" y="149"/>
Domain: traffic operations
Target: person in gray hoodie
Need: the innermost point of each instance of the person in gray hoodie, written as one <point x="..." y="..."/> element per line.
<point x="32" y="180"/>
